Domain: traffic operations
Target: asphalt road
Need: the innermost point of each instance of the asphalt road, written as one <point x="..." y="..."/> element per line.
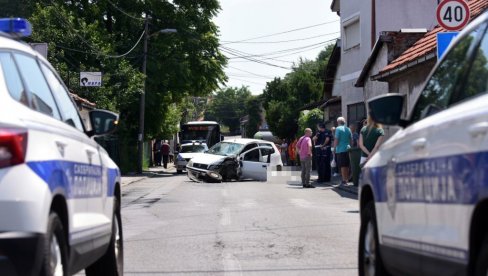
<point x="173" y="226"/>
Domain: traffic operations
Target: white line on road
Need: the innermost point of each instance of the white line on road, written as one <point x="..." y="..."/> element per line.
<point x="225" y="216"/>
<point x="232" y="266"/>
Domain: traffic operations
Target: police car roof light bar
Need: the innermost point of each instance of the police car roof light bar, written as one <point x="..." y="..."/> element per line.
<point x="16" y="26"/>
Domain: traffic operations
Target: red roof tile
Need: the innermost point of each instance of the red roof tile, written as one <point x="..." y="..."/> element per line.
<point x="428" y="43"/>
<point x="79" y="99"/>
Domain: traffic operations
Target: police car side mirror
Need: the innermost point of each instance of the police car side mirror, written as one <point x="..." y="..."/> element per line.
<point x="387" y="109"/>
<point x="103" y="122"/>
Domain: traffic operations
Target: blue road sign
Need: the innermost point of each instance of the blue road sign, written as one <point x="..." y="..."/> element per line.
<point x="443" y="40"/>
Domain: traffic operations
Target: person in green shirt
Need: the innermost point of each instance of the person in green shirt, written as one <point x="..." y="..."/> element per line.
<point x="370" y="139"/>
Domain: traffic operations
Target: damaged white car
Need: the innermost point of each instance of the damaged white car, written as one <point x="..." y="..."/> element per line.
<point x="235" y="159"/>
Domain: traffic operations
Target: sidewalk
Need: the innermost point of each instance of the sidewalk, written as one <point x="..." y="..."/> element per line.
<point x="150" y="172"/>
<point x="335" y="182"/>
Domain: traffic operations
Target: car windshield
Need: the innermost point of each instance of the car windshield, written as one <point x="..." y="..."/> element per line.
<point x="226" y="148"/>
<point x="192" y="148"/>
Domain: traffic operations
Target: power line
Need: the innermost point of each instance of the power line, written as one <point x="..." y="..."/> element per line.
<point x="279" y="41"/>
<point x="248" y="81"/>
<point x="248" y="72"/>
<point x="285" y="32"/>
<point x="124" y="12"/>
<point x="280" y="51"/>
<point x="255" y="60"/>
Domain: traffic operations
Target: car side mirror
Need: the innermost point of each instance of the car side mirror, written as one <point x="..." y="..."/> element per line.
<point x="103" y="122"/>
<point x="387" y="109"/>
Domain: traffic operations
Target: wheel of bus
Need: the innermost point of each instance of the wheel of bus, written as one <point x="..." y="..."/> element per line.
<point x="482" y="260"/>
<point x="370" y="262"/>
<point x="55" y="248"/>
<point x="112" y="262"/>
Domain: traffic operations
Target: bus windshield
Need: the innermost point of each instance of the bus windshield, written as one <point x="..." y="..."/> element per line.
<point x="205" y="132"/>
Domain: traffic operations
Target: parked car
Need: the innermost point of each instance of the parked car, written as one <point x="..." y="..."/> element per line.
<point x="424" y="194"/>
<point x="235" y="159"/>
<point x="187" y="152"/>
<point x="60" y="192"/>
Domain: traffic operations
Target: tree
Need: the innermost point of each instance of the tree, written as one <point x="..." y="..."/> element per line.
<point x="284" y="97"/>
<point x="227" y="106"/>
<point x="254" y="111"/>
<point x="91" y="35"/>
<point x="310" y="119"/>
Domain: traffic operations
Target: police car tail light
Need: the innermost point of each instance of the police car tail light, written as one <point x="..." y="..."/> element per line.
<point x="16" y="26"/>
<point x="13" y="146"/>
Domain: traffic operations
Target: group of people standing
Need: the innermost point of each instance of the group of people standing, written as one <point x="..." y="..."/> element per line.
<point x="161" y="151"/>
<point x="332" y="146"/>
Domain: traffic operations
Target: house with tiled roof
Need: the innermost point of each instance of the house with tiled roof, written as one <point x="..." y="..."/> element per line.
<point x="362" y="24"/>
<point x="406" y="73"/>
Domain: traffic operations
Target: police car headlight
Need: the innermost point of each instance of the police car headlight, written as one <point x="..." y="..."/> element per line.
<point x="214" y="167"/>
<point x="180" y="158"/>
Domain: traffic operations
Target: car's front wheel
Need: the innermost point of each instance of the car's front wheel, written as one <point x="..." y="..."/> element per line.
<point x="370" y="262"/>
<point x="112" y="263"/>
<point x="482" y="260"/>
<point x="55" y="249"/>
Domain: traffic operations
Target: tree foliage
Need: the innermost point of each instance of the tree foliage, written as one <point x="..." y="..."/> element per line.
<point x="227" y="106"/>
<point x="283" y="97"/>
<point x="310" y="119"/>
<point x="91" y="35"/>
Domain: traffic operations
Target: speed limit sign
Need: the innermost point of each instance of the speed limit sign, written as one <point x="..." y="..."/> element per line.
<point x="452" y="15"/>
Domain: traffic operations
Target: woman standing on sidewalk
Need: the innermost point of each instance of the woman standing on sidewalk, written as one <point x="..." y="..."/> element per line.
<point x="370" y="139"/>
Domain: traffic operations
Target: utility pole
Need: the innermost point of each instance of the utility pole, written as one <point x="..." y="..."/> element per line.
<point x="142" y="103"/>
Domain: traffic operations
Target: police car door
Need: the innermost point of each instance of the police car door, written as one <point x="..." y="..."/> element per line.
<point x="88" y="188"/>
<point x="457" y="136"/>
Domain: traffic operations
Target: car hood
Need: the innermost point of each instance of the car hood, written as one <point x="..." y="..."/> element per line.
<point x="206" y="158"/>
<point x="187" y="155"/>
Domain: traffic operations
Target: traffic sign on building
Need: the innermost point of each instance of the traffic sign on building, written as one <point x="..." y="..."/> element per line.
<point x="453" y="15"/>
<point x="90" y="79"/>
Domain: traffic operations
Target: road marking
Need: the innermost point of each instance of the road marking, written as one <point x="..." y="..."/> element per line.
<point x="225" y="216"/>
<point x="300" y="202"/>
<point x="232" y="266"/>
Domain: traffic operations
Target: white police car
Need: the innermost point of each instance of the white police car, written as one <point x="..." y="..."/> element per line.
<point x="424" y="195"/>
<point x="59" y="190"/>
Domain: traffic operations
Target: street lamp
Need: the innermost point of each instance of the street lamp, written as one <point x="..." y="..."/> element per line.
<point x="142" y="103"/>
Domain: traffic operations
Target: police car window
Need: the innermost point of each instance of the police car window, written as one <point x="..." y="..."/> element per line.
<point x="12" y="78"/>
<point x="477" y="81"/>
<point x="65" y="104"/>
<point x="42" y="99"/>
<point x="253" y="156"/>
<point x="437" y="93"/>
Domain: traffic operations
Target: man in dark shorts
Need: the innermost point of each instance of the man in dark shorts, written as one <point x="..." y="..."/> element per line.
<point x="342" y="144"/>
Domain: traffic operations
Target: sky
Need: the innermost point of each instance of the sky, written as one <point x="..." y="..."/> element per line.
<point x="261" y="30"/>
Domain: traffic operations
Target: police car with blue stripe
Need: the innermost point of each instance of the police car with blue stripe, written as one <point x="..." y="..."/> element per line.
<point x="424" y="195"/>
<point x="59" y="190"/>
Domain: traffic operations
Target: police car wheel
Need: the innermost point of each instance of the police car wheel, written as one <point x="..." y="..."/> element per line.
<point x="482" y="260"/>
<point x="112" y="263"/>
<point x="179" y="171"/>
<point x="55" y="249"/>
<point x="370" y="262"/>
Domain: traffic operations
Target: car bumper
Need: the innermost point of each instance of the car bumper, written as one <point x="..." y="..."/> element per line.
<point x="181" y="165"/>
<point x="203" y="175"/>
<point x="20" y="253"/>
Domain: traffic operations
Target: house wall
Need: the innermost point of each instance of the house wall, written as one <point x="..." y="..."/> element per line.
<point x="375" y="88"/>
<point x="410" y="84"/>
<point x="391" y="15"/>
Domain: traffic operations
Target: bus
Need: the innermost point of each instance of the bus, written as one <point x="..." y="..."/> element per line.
<point x="201" y="131"/>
